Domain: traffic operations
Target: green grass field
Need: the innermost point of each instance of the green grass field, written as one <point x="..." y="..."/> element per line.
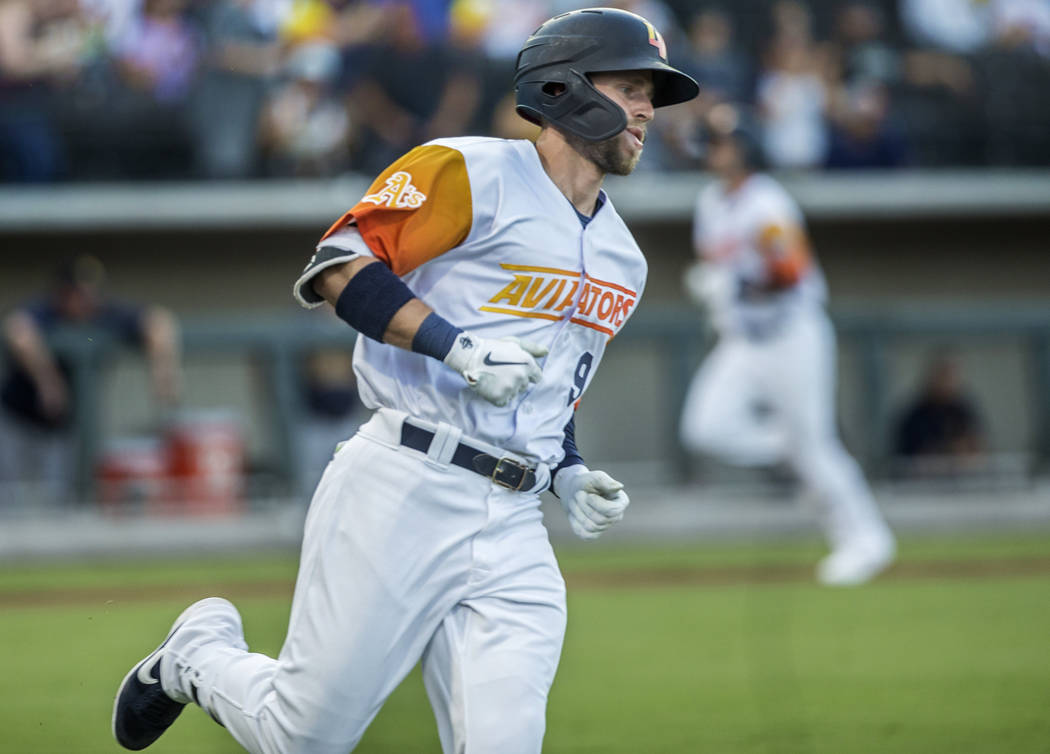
<point x="676" y="648"/>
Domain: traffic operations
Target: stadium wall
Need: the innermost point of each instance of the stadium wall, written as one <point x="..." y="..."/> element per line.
<point x="937" y="244"/>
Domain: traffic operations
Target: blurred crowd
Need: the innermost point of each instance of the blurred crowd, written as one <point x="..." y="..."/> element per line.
<point x="132" y="89"/>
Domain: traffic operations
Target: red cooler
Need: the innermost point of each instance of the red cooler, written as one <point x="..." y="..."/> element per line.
<point x="206" y="456"/>
<point x="131" y="473"/>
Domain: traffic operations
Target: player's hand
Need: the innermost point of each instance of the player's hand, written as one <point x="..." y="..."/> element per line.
<point x="497" y="370"/>
<point x="592" y="500"/>
<point x="707" y="286"/>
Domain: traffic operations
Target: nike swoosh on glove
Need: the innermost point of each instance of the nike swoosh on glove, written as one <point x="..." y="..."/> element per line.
<point x="592" y="500"/>
<point x="497" y="370"/>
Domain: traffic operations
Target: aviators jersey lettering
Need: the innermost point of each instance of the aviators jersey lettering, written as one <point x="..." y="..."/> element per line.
<point x="477" y="229"/>
<point x="754" y="237"/>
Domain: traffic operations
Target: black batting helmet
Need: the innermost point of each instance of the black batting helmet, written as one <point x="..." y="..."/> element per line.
<point x="593" y="40"/>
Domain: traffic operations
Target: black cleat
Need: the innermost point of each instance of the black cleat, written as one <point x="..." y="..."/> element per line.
<point x="142" y="710"/>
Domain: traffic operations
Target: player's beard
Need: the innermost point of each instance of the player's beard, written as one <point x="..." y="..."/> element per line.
<point x="608" y="155"/>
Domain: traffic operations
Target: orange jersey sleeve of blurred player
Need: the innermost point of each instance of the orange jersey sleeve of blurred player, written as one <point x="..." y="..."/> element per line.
<point x="416" y="210"/>
<point x="787" y="254"/>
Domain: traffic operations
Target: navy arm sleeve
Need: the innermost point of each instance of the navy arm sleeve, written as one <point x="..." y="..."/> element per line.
<point x="572" y="455"/>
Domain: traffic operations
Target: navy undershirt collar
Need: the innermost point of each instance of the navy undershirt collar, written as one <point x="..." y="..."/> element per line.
<point x="584" y="219"/>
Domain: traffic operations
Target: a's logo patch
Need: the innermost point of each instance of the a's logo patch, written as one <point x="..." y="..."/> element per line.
<point x="397" y="193"/>
<point x="656" y="40"/>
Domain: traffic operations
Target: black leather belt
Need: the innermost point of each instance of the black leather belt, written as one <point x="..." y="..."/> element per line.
<point x="505" y="472"/>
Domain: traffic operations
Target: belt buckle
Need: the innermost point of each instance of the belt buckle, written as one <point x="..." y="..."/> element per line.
<point x="499" y="468"/>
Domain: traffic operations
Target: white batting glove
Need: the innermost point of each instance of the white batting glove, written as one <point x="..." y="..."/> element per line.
<point x="497" y="370"/>
<point x="592" y="500"/>
<point x="707" y="285"/>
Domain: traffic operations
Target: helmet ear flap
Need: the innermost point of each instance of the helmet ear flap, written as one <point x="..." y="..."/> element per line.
<point x="576" y="106"/>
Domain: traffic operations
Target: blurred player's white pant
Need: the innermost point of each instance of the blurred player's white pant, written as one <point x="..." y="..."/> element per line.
<point x="404" y="557"/>
<point x="762" y="402"/>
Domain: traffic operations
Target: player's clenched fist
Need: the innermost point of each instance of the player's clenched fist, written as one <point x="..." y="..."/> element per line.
<point x="497" y="370"/>
<point x="593" y="500"/>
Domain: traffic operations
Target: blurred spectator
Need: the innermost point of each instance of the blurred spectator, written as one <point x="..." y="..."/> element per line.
<point x="354" y="27"/>
<point x="431" y="19"/>
<point x="1022" y="25"/>
<point x="792" y="92"/>
<point x="42" y="46"/>
<point x="932" y="69"/>
<point x="360" y="22"/>
<point x="713" y="59"/>
<point x="242" y="54"/>
<point x="938" y="104"/>
<point x="269" y="14"/>
<point x="941" y="429"/>
<point x="130" y="89"/>
<point x="307" y="21"/>
<point x="960" y="26"/>
<point x="160" y="50"/>
<point x="469" y="25"/>
<point x="116" y="17"/>
<point x="793" y="20"/>
<point x="305" y="128"/>
<point x="332" y="411"/>
<point x="503" y="24"/>
<point x="135" y="123"/>
<point x="37" y="398"/>
<point x="861" y="68"/>
<point x="937" y="93"/>
<point x="1014" y="78"/>
<point x="862" y="134"/>
<point x="411" y="92"/>
<point x="859" y="43"/>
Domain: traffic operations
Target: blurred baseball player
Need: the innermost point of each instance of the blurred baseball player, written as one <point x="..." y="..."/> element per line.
<point x="486" y="278"/>
<point x="765" y="394"/>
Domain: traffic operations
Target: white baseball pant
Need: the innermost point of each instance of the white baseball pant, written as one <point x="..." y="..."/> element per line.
<point x="404" y="557"/>
<point x="793" y="374"/>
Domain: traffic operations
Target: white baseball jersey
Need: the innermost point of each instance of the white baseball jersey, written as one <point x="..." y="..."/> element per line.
<point x="477" y="229"/>
<point x="754" y="239"/>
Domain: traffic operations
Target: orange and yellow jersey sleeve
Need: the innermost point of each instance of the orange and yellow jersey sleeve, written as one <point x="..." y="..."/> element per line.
<point x="785" y="249"/>
<point x="416" y="210"/>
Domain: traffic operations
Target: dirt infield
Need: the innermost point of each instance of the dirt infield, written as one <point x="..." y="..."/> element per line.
<point x="956" y="570"/>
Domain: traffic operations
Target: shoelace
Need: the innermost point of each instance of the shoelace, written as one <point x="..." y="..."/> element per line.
<point x="185" y="674"/>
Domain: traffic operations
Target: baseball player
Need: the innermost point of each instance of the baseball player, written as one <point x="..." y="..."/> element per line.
<point x="485" y="278"/>
<point x="765" y="394"/>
